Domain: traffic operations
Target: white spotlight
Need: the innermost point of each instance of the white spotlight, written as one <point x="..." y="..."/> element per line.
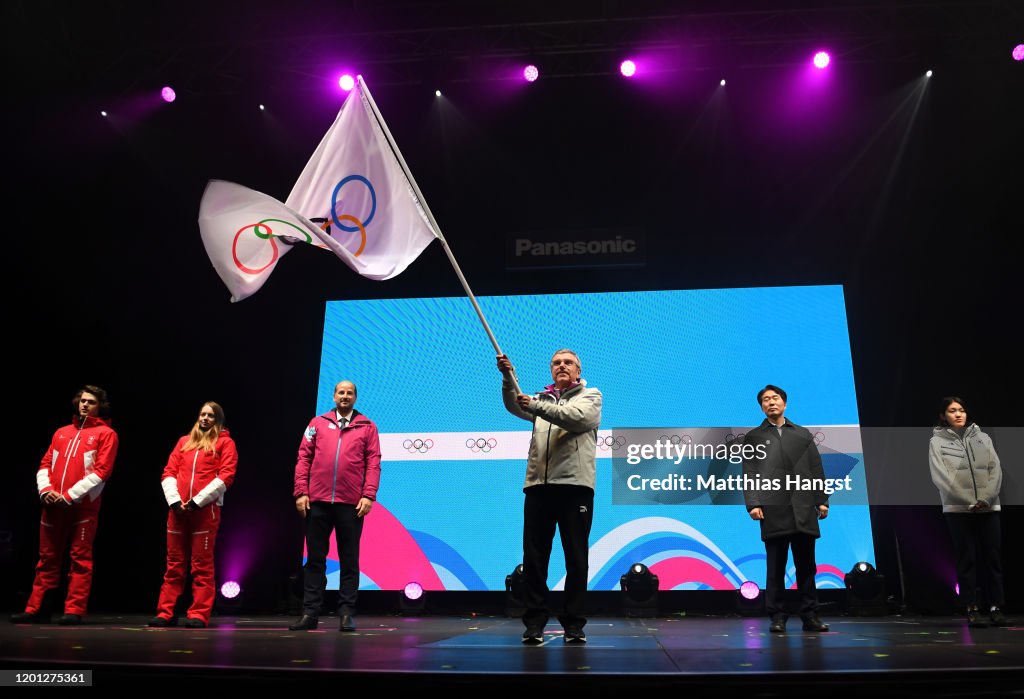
<point x="928" y="74"/>
<point x="722" y="83"/>
<point x="437" y="93"/>
<point x="262" y="108"/>
<point x="103" y="113"/>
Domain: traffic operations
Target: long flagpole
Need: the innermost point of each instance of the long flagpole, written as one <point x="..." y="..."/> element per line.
<point x="430" y="216"/>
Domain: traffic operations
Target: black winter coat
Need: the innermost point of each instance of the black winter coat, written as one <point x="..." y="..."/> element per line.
<point x="787" y="511"/>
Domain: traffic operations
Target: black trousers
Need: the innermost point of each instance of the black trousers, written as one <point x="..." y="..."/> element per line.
<point x="571" y="509"/>
<point x="977" y="543"/>
<point x="777" y="552"/>
<point x="348" y="529"/>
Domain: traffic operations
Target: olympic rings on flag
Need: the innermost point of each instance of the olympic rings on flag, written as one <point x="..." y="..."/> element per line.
<point x="362" y="231"/>
<point x="359" y="225"/>
<point x="269" y="235"/>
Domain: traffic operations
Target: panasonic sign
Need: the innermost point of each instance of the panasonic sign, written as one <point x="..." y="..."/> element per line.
<point x="577" y="249"/>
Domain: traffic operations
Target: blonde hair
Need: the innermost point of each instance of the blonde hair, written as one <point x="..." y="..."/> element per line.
<point x="207" y="441"/>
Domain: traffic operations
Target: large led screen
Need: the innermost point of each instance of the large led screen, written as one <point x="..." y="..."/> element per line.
<point x="674" y="367"/>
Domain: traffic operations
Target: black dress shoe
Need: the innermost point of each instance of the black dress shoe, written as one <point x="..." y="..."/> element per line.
<point x="69" y="619"/>
<point x="193" y="623"/>
<point x="813" y="623"/>
<point x="574" y="634"/>
<point x="347" y="623"/>
<point x="306" y="623"/>
<point x="26" y="618"/>
<point x="778" y="624"/>
<point x="996" y="617"/>
<point x="975" y="620"/>
<point x="533" y="636"/>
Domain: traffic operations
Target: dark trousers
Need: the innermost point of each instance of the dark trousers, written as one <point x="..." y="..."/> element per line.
<point x="777" y="552"/>
<point x="348" y="528"/>
<point x="571" y="509"/>
<point x="977" y="543"/>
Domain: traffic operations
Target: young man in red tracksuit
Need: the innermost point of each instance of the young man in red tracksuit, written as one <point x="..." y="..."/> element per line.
<point x="200" y="469"/>
<point x="336" y="480"/>
<point x="70" y="480"/>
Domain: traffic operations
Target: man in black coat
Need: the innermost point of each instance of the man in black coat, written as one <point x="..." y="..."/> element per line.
<point x="788" y="514"/>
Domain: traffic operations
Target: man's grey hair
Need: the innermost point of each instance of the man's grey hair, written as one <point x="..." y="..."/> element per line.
<point x="569" y="351"/>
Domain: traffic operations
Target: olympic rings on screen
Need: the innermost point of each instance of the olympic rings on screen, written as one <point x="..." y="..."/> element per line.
<point x="481" y="444"/>
<point x="418" y="445"/>
<point x="676" y="439"/>
<point x="613" y="443"/>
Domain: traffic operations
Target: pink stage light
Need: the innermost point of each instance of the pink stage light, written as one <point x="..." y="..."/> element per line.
<point x="821" y="60"/>
<point x="346" y="82"/>
<point x="750" y="590"/>
<point x="1018" y="52"/>
<point x="413" y="591"/>
<point x="168" y="94"/>
<point x="230" y="589"/>
<point x="627" y="68"/>
<point x="530" y="73"/>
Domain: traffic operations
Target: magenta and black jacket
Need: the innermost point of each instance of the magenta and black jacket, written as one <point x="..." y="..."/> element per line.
<point x="338" y="465"/>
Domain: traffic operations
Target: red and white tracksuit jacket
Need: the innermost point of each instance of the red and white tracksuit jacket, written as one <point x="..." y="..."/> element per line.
<point x="77" y="465"/>
<point x="198" y="477"/>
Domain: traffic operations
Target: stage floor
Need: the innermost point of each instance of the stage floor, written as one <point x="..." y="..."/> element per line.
<point x="938" y="655"/>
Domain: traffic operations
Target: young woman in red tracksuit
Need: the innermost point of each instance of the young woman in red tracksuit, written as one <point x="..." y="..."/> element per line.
<point x="199" y="470"/>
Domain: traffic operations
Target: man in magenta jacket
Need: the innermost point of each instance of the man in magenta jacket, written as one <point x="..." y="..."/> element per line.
<point x="336" y="480"/>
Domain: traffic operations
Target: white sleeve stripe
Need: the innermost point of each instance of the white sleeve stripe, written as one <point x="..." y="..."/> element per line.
<point x="170" y="486"/>
<point x="212" y="491"/>
<point x="43" y="479"/>
<point x="80" y="489"/>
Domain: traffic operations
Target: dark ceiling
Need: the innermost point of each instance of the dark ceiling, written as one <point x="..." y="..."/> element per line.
<point x="111" y="48"/>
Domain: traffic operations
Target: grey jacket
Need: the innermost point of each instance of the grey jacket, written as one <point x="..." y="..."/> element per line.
<point x="964" y="469"/>
<point x="563" y="447"/>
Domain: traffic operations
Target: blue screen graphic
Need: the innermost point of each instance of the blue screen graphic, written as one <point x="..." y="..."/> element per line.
<point x="449" y="510"/>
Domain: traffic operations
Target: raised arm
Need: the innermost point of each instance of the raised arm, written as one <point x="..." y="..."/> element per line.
<point x="509" y="395"/>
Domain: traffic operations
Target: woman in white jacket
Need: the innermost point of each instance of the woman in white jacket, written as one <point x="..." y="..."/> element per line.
<point x="965" y="468"/>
